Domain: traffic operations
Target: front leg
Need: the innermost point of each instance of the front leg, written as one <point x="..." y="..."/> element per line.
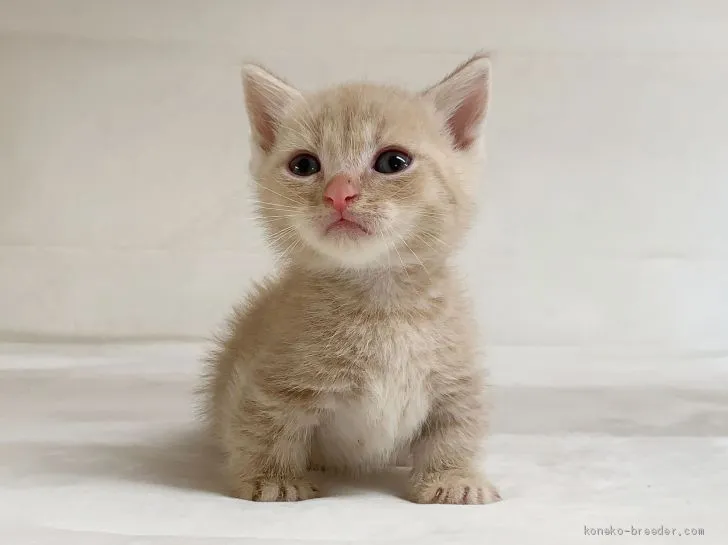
<point x="266" y="452"/>
<point x="447" y="451"/>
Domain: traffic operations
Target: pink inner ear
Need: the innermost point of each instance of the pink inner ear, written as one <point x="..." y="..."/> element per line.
<point x="465" y="120"/>
<point x="261" y="120"/>
<point x="264" y="125"/>
<point x="265" y="98"/>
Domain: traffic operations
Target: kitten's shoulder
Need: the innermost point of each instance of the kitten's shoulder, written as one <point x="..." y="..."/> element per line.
<point x="238" y="337"/>
<point x="260" y="296"/>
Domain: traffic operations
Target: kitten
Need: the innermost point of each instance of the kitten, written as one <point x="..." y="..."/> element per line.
<point x="362" y="350"/>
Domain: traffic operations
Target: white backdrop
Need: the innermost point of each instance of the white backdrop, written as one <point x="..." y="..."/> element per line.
<point x="603" y="231"/>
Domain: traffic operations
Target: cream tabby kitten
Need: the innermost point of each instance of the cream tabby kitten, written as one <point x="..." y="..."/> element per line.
<point x="362" y="350"/>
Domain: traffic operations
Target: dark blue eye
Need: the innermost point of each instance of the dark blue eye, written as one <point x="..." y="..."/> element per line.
<point x="391" y="161"/>
<point x="304" y="164"/>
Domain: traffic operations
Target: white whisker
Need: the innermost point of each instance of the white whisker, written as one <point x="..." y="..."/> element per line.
<point x="300" y="203"/>
<point x="263" y="216"/>
<point x="414" y="254"/>
<point x="266" y="204"/>
<point x="421" y="239"/>
<point x="394" y="247"/>
<point x="435" y="238"/>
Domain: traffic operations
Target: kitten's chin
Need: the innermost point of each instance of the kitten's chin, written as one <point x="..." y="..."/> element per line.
<point x="345" y="245"/>
<point x="358" y="252"/>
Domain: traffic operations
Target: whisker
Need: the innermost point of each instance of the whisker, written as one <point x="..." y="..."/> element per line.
<point x="263" y="218"/>
<point x="284" y="230"/>
<point x="291" y="247"/>
<point x="435" y="238"/>
<point x="394" y="247"/>
<point x="278" y="209"/>
<point x="261" y="204"/>
<point x="273" y="213"/>
<point x="278" y="236"/>
<point x="421" y="239"/>
<point x="414" y="254"/>
<point x="279" y="194"/>
<point x="288" y="213"/>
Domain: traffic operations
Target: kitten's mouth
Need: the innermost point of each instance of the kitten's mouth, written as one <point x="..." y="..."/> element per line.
<point x="343" y="225"/>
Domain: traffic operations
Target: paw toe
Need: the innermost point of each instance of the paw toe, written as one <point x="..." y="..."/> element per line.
<point x="455" y="490"/>
<point x="265" y="490"/>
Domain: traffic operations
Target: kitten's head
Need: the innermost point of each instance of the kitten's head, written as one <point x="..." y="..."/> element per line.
<point x="365" y="176"/>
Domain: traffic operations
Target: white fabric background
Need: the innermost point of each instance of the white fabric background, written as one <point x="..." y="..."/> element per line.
<point x="123" y="159"/>
<point x="599" y="264"/>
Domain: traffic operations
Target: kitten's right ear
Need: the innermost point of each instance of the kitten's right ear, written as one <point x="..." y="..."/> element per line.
<point x="266" y="99"/>
<point x="463" y="99"/>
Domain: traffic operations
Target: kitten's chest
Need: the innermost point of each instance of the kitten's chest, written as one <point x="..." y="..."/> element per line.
<point x="398" y="345"/>
<point x="368" y="426"/>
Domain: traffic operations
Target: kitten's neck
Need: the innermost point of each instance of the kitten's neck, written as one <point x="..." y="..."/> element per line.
<point x="389" y="287"/>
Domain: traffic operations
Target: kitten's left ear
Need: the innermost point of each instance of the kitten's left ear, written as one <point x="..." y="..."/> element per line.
<point x="463" y="98"/>
<point x="266" y="99"/>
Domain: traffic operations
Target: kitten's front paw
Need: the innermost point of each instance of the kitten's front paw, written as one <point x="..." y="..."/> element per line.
<point x="453" y="487"/>
<point x="276" y="490"/>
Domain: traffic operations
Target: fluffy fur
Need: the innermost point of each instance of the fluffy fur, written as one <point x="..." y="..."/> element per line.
<point x="362" y="351"/>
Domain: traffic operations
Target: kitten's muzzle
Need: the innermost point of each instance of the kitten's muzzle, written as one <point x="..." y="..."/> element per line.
<point x="340" y="193"/>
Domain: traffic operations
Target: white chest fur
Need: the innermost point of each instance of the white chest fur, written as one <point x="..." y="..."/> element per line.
<point x="371" y="429"/>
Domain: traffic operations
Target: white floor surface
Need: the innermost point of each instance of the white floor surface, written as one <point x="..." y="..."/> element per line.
<point x="99" y="446"/>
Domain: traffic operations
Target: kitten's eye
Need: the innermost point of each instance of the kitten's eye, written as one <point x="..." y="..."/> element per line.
<point x="304" y="164"/>
<point x="392" y="161"/>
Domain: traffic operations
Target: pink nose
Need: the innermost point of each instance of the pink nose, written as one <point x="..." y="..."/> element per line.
<point x="340" y="192"/>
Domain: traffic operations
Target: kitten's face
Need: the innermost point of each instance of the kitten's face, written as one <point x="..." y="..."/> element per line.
<point x="363" y="176"/>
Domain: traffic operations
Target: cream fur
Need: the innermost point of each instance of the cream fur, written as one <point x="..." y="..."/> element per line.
<point x="362" y="350"/>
